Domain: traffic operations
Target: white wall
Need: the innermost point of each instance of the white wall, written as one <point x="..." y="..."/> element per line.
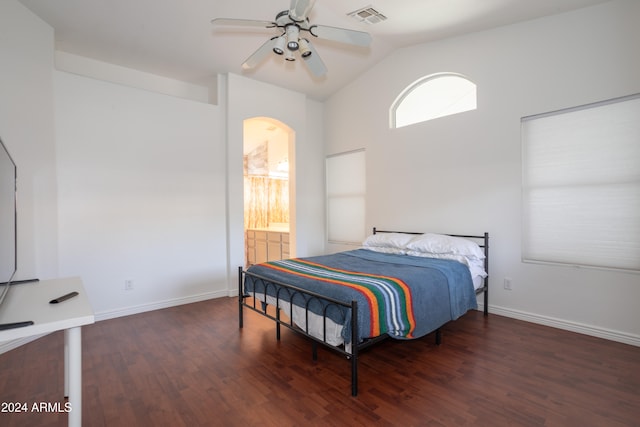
<point x="26" y="128"/>
<point x="141" y="195"/>
<point x="128" y="77"/>
<point x="310" y="193"/>
<point x="247" y="98"/>
<point x="462" y="173"/>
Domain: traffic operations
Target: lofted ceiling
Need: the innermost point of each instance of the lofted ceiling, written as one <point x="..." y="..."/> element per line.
<point x="174" y="38"/>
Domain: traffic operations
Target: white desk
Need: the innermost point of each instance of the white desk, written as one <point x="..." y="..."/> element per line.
<point x="30" y="301"/>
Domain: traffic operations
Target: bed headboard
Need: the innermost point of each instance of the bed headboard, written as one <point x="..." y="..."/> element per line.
<point x="481" y="239"/>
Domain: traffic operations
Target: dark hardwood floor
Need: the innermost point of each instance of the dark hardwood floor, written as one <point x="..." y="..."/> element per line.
<point x="192" y="366"/>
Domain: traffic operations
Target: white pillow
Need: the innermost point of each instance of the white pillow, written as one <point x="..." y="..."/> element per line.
<point x="388" y="240"/>
<point x="385" y="250"/>
<point x="430" y="243"/>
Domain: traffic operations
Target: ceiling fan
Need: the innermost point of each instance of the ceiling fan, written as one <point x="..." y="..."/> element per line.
<point x="295" y="34"/>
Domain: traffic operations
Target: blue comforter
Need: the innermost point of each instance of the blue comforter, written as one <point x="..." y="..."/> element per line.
<point x="403" y="296"/>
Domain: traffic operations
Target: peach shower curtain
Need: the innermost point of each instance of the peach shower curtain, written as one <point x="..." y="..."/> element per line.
<point x="266" y="201"/>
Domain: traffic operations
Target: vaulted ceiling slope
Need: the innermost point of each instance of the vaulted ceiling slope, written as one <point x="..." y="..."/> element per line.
<point x="176" y="39"/>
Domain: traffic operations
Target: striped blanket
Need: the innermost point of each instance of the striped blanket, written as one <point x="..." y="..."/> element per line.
<point x="388" y="298"/>
<point x="403" y="296"/>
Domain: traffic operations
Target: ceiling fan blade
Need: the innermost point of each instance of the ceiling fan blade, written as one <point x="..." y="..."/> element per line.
<point x="242" y="23"/>
<point x="299" y="10"/>
<point x="259" y="55"/>
<point x="314" y="62"/>
<point x="342" y="35"/>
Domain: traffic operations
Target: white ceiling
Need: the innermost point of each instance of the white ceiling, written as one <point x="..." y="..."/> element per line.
<point x="174" y="38"/>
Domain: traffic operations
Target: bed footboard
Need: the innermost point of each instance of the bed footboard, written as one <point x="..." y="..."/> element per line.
<point x="276" y="299"/>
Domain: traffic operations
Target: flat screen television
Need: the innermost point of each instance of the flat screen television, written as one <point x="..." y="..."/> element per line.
<point x="8" y="232"/>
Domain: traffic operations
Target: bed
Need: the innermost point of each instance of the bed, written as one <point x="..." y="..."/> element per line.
<point x="401" y="285"/>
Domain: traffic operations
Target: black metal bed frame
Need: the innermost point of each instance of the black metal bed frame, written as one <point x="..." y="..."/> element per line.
<point x="290" y="292"/>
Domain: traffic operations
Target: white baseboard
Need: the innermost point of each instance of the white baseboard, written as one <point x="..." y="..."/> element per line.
<point x="142" y="308"/>
<point x="567" y="325"/>
<point x="127" y="311"/>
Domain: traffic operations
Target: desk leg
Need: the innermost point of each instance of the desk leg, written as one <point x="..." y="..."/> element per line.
<point x="66" y="364"/>
<point x="73" y="373"/>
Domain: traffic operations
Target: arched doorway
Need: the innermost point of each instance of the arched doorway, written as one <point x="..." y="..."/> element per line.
<point x="268" y="190"/>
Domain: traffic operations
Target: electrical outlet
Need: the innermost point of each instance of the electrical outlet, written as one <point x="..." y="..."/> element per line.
<point x="507" y="283"/>
<point x="128" y="285"/>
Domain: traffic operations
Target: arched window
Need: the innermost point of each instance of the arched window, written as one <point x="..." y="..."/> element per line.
<point x="433" y="96"/>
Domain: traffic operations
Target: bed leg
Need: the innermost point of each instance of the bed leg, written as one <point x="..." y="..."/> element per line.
<point x="240" y="299"/>
<point x="438" y="336"/>
<point x="314" y="350"/>
<point x="486" y="279"/>
<point x="354" y="348"/>
<point x="354" y="375"/>
<point x="486" y="301"/>
<point x="278" y="324"/>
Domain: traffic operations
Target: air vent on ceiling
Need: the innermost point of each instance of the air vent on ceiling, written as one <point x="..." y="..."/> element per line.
<point x="367" y="15"/>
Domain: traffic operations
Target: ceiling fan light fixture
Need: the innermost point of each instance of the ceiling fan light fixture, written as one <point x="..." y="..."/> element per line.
<point x="305" y="51"/>
<point x="289" y="56"/>
<point x="278" y="48"/>
<point x="293" y="34"/>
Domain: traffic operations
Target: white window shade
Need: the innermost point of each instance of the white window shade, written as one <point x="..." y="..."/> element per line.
<point x="346" y="193"/>
<point x="581" y="185"/>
